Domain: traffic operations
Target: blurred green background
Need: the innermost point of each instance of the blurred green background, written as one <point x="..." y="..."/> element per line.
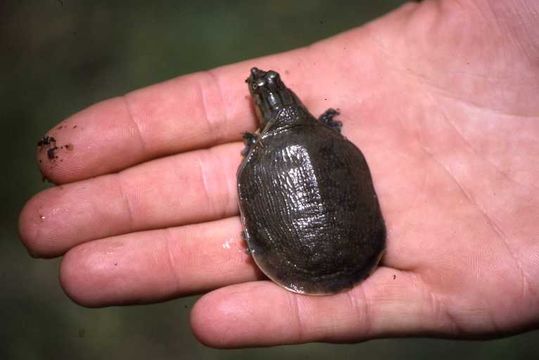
<point x="59" y="56"/>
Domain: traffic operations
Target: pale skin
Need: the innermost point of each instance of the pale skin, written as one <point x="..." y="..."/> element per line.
<point x="443" y="99"/>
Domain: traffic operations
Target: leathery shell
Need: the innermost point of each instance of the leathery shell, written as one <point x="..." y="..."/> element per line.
<point x="308" y="205"/>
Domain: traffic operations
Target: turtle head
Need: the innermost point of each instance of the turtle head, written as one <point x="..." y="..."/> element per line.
<point x="270" y="94"/>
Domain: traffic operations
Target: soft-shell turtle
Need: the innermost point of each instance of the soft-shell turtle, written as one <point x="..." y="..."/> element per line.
<point x="310" y="214"/>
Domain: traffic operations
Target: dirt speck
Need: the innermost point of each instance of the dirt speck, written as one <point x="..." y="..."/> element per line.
<point x="48" y="143"/>
<point x="51" y="146"/>
<point x="51" y="153"/>
<point x="46" y="140"/>
<point x="394" y="276"/>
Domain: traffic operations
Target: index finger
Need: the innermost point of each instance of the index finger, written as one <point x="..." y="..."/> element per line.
<point x="189" y="112"/>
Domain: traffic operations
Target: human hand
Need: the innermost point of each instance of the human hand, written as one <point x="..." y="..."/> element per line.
<point x="441" y="98"/>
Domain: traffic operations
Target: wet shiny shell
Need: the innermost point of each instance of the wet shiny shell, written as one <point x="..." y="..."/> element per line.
<point x="310" y="213"/>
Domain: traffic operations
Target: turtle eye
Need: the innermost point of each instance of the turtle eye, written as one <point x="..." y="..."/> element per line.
<point x="260" y="83"/>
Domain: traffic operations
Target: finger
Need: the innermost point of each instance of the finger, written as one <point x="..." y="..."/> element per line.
<point x="156" y="265"/>
<point x="187" y="188"/>
<point x="390" y="302"/>
<point x="189" y="112"/>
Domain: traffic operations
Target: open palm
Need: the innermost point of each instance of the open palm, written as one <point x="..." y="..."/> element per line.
<point x="442" y="98"/>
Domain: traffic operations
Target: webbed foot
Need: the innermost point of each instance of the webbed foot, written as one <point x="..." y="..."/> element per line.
<point x="327" y="118"/>
<point x="249" y="139"/>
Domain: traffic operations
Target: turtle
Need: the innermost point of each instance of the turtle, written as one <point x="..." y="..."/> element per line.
<point x="309" y="210"/>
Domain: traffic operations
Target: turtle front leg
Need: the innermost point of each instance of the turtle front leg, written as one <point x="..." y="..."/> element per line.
<point x="327" y="118"/>
<point x="249" y="139"/>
